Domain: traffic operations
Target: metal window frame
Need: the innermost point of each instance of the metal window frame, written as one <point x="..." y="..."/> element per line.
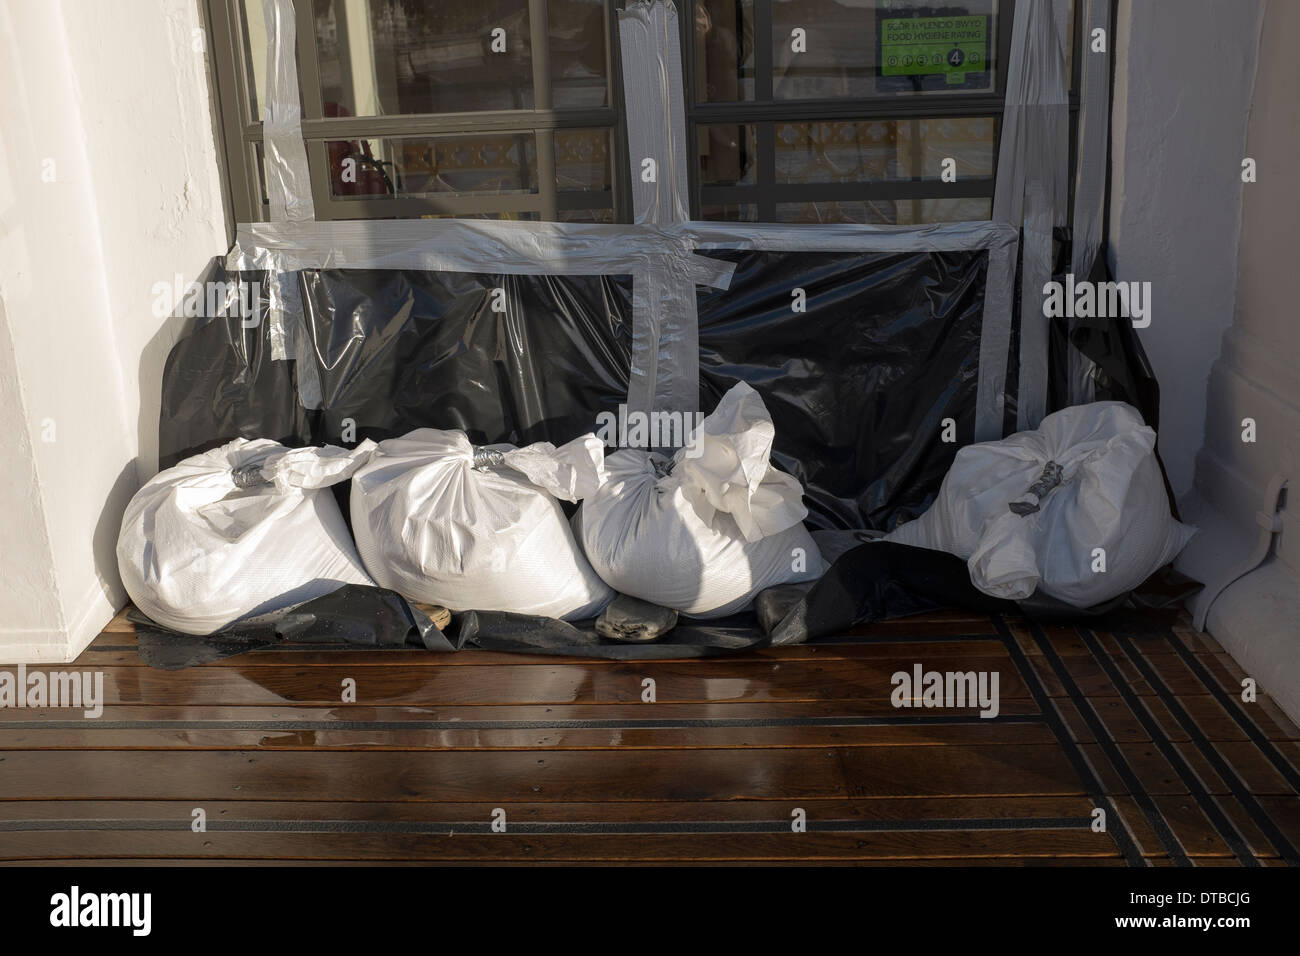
<point x="764" y="112"/>
<point x="241" y="132"/>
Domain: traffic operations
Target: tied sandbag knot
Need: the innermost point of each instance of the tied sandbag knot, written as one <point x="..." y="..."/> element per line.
<point x="248" y="476"/>
<point x="1033" y="498"/>
<point x="488" y="457"/>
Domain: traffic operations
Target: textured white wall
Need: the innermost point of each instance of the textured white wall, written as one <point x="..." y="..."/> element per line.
<point x="108" y="184"/>
<point x="1257" y="377"/>
<point x="1183" y="80"/>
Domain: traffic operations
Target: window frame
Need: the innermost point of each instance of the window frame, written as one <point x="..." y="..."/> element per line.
<point x="242" y="132"/>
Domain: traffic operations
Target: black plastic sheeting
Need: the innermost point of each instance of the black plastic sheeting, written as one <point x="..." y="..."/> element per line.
<point x="883" y="580"/>
<point x="394" y="351"/>
<point x="397" y="351"/>
<point x="220" y="383"/>
<point x="1123" y="372"/>
<point x="359" y="616"/>
<point x="859" y="384"/>
<point x="355" y="615"/>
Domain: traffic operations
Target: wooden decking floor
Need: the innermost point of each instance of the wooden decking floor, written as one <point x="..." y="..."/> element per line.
<point x="439" y="751"/>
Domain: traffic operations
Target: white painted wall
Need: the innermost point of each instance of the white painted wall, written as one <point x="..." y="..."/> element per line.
<point x="108" y="184"/>
<point x="1183" y="79"/>
<point x="1257" y="377"/>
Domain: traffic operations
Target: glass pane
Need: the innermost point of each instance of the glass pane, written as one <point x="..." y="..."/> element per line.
<point x="886" y="212"/>
<point x="579" y="69"/>
<point x="259" y="160"/>
<point x="385" y="57"/>
<point x="584" y="175"/>
<point x="872" y="150"/>
<point x="493" y="164"/>
<point x="730" y="212"/>
<point x="917" y="211"/>
<point x="875" y="211"/>
<point x="724" y="51"/>
<point x="728" y="154"/>
<point x="605" y="216"/>
<point x="830" y="49"/>
<point x="582" y="160"/>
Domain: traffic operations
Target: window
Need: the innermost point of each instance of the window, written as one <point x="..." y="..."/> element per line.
<point x="797" y="110"/>
<point x="832" y="111"/>
<point x="485" y="108"/>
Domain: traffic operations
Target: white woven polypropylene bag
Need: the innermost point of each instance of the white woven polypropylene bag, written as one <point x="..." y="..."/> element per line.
<point x="436" y="526"/>
<point x="704" y="532"/>
<point x="1048" y="509"/>
<point x="197" y="551"/>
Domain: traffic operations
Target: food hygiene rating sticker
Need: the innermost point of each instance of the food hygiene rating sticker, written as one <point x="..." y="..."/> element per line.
<point x="951" y="46"/>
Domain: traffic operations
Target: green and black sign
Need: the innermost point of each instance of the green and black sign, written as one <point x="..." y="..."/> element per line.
<point x="951" y="49"/>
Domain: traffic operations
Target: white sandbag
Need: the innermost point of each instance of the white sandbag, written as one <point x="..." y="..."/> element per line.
<point x="443" y="522"/>
<point x="240" y="530"/>
<point x="704" y="531"/>
<point x="1043" y="508"/>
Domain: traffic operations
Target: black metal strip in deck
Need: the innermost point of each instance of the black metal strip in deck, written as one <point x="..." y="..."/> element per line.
<point x="1213" y="812"/>
<point x="1115" y="824"/>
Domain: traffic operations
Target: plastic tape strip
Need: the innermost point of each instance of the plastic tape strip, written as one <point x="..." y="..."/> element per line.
<point x="1032" y="185"/>
<point x="997" y="237"/>
<point x="656" y="110"/>
<point x="288" y="180"/>
<point x="664" y="270"/>
<point x="1090" y="176"/>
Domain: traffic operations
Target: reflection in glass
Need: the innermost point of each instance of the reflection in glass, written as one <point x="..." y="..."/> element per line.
<point x="728" y="154"/>
<point x="579" y="74"/>
<point x="724" y="50"/>
<point x="887" y="212"/>
<point x="386" y="57"/>
<point x="582" y="160"/>
<point x="484" y="164"/>
<point x="884" y="149"/>
<point x="730" y="212"/>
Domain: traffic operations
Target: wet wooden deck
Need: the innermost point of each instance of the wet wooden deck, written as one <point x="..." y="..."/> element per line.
<point x="1150" y="728"/>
